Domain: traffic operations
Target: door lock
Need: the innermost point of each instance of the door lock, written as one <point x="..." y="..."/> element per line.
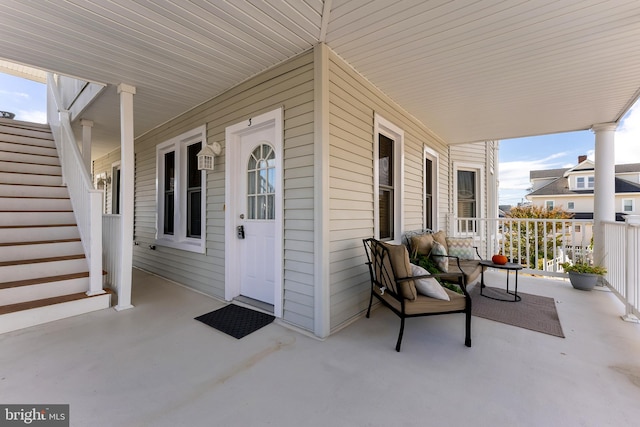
<point x="240" y="231"/>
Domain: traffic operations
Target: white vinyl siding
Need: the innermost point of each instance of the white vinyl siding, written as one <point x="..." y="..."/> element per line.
<point x="353" y="103"/>
<point x="289" y="85"/>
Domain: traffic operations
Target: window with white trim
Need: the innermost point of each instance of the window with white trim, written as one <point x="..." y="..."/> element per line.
<point x="467" y="190"/>
<point x="388" y="171"/>
<point x="570" y="205"/>
<point x="583" y="182"/>
<point x="430" y="189"/>
<point x="181" y="190"/>
<point x="627" y="205"/>
<point x="549" y="204"/>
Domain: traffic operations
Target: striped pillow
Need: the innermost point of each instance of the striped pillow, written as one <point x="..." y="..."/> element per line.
<point x="461" y="247"/>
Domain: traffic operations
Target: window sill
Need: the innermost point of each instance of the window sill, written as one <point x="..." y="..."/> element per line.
<point x="191" y="245"/>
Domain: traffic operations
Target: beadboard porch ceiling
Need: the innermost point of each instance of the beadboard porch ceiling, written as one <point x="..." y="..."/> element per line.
<point x="469" y="70"/>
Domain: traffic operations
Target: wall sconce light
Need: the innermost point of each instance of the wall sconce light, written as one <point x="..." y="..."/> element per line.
<point x="206" y="156"/>
<point x="103" y="179"/>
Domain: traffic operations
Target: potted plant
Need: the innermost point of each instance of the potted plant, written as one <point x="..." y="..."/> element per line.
<point x="583" y="275"/>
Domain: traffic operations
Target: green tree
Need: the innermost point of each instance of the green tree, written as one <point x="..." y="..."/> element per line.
<point x="527" y="239"/>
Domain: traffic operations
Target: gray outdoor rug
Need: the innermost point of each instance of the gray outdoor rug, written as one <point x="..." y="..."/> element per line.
<point x="533" y="312"/>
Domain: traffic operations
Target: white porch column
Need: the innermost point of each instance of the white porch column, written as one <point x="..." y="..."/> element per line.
<point x="604" y="206"/>
<point x="126" y="93"/>
<point x="86" y="143"/>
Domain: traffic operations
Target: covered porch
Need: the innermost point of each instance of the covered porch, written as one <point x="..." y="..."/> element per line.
<point x="157" y="366"/>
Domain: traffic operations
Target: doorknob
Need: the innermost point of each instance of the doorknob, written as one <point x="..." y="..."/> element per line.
<point x="240" y="231"/>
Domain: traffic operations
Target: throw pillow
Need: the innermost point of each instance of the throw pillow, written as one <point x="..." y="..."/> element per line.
<point x="461" y="247"/>
<point x="441" y="261"/>
<point x="399" y="257"/>
<point x="441" y="237"/>
<point x="428" y="286"/>
<point x="421" y="244"/>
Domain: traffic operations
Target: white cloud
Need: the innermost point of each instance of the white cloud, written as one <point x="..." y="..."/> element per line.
<point x="627" y="139"/>
<point x="15" y="94"/>
<point x="515" y="175"/>
<point x="35" y="116"/>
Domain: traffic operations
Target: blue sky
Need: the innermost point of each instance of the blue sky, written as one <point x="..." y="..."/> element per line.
<point x="27" y="100"/>
<point x="521" y="155"/>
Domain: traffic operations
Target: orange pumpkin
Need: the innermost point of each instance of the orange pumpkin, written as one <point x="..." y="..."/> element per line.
<point x="499" y="259"/>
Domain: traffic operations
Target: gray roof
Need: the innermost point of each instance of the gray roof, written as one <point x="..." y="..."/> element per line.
<point x="556" y="173"/>
<point x="560" y="186"/>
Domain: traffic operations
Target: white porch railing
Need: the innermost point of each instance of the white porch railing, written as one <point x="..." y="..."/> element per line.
<point x="86" y="201"/>
<point x="111" y="236"/>
<point x="622" y="260"/>
<point x="540" y="245"/>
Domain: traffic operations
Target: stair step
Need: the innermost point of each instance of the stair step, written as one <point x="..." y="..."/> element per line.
<point x="20" y="124"/>
<point x="33" y="133"/>
<point x="43" y="280"/>
<point x="43" y="249"/>
<point x="18" y="316"/>
<point x="39" y="159"/>
<point x="28" y="149"/>
<point x="20" y="139"/>
<point x="28" y="190"/>
<point x="34" y="204"/>
<point x="12" y="271"/>
<point x="31" y="179"/>
<point x="11" y="219"/>
<point x="44" y="287"/>
<point x="38" y="232"/>
<point x="34" y="168"/>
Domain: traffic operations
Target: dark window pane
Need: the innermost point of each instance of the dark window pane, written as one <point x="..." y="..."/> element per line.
<point x="168" y="213"/>
<point x="428" y="191"/>
<point x="116" y="196"/>
<point x="194" y="224"/>
<point x="194" y="191"/>
<point x="169" y="182"/>
<point x="194" y="175"/>
<point x="386" y="214"/>
<point x="385" y="160"/>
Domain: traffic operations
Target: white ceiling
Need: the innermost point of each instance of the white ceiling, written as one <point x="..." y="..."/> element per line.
<point x="469" y="70"/>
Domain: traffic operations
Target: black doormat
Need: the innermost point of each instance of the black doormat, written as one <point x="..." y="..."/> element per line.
<point x="235" y="320"/>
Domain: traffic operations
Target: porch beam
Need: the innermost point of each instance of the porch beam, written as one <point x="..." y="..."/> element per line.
<point x="604" y="207"/>
<point x="127" y="165"/>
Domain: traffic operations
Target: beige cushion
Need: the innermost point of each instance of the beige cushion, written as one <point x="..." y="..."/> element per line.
<point x="422" y="244"/>
<point x="424" y="304"/>
<point x="400" y="261"/>
<point x="470" y="268"/>
<point x="461" y="247"/>
<point x="441" y="237"/>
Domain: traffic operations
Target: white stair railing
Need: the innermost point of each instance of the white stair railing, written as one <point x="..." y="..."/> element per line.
<point x="86" y="201"/>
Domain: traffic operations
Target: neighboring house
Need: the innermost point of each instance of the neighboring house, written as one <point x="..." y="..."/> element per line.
<point x="379" y="173"/>
<point x="572" y="189"/>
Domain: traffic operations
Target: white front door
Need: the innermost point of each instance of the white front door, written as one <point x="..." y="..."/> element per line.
<point x="254" y="210"/>
<point x="256" y="203"/>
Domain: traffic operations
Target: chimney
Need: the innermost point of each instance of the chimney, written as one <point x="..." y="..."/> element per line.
<point x="582" y="158"/>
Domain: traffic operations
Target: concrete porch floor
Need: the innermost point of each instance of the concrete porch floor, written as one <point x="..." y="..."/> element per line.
<point x="154" y="365"/>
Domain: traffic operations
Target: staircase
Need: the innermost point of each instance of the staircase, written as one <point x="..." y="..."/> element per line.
<point x="43" y="270"/>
